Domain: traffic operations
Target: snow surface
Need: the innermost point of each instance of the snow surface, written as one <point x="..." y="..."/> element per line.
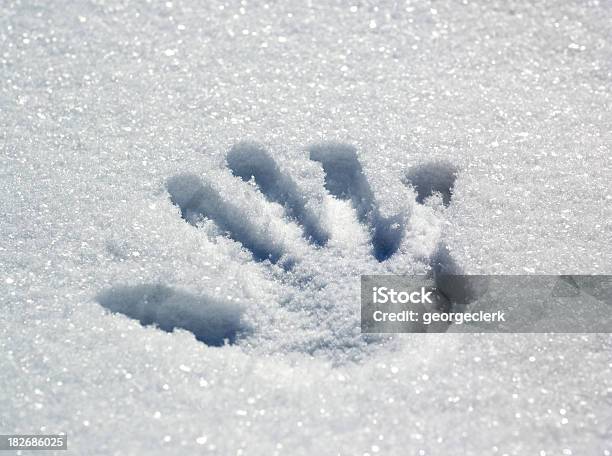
<point x="118" y="117"/>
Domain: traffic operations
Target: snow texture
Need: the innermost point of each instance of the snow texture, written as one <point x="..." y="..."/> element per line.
<point x="344" y="178"/>
<point x="197" y="200"/>
<point x="224" y="171"/>
<point x="430" y="178"/>
<point x="332" y="323"/>
<point x="211" y="320"/>
<point x="248" y="160"/>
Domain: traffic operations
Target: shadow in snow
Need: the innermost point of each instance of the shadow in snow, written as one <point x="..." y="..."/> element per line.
<point x="345" y="179"/>
<point x="211" y="320"/>
<point x="198" y="199"/>
<point x="458" y="288"/>
<point x="432" y="177"/>
<point x="250" y="160"/>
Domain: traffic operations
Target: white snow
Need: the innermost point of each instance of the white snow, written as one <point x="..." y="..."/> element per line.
<point x="111" y="111"/>
<point x="211" y="321"/>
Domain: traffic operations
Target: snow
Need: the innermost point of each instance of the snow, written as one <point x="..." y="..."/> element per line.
<point x="428" y="179"/>
<point x="198" y="200"/>
<point x="125" y="127"/>
<point x="345" y="179"/>
<point x="252" y="161"/>
<point x="211" y="321"/>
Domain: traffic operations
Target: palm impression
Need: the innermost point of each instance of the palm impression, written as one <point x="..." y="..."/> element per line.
<point x="309" y="238"/>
